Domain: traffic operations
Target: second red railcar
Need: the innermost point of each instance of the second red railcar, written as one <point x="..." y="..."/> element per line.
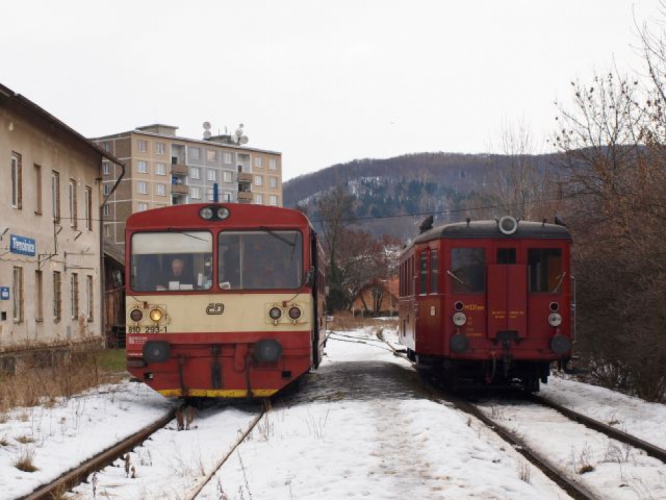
<point x="488" y="301"/>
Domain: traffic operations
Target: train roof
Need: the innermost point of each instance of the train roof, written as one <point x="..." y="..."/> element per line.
<point x="490" y="229"/>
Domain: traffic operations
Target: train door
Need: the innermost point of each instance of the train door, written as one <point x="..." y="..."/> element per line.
<point x="507" y="296"/>
<point x="430" y="337"/>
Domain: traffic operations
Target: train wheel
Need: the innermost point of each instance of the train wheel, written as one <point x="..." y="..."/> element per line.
<point x="532" y="384"/>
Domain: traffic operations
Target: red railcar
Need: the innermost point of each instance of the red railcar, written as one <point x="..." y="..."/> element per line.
<point x="488" y="301"/>
<point x="223" y="300"/>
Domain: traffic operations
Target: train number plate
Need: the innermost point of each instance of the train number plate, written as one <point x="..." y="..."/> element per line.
<point x="146" y="329"/>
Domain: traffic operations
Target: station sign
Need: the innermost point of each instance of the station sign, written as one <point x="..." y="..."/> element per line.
<point x="4" y="293"/>
<point x="22" y="245"/>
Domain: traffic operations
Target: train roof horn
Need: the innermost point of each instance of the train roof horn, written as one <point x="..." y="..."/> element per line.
<point x="507" y="225"/>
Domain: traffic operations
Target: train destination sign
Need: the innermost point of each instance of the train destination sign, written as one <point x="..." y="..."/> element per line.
<point x="22" y="245"/>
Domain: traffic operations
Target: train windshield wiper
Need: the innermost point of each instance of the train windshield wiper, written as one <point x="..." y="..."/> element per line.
<point x="456" y="278"/>
<point x="559" y="283"/>
<point x="174" y="230"/>
<point x="278" y="236"/>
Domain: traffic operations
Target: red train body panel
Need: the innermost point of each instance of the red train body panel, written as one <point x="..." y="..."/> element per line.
<point x="488" y="300"/>
<point x="241" y="314"/>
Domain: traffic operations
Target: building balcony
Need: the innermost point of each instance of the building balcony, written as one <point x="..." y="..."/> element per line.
<point x="178" y="169"/>
<point x="244" y="197"/>
<point x="178" y="189"/>
<point x="244" y="177"/>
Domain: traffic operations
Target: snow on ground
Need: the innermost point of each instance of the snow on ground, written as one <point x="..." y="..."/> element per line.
<point x="359" y="427"/>
<point x="363" y="428"/>
<point x="59" y="437"/>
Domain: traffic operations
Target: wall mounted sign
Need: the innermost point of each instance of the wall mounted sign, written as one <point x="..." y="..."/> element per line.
<point x="22" y="245"/>
<point x="4" y="293"/>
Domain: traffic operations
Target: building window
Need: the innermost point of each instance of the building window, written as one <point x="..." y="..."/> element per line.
<point x="212" y="175"/>
<point x="160" y="189"/>
<point x="17" y="181"/>
<point x="57" y="297"/>
<point x="272" y="164"/>
<point x="228" y="177"/>
<point x="106" y="168"/>
<point x="107" y="189"/>
<point x="106" y="146"/>
<point x="274" y="182"/>
<point x="106" y="210"/>
<point x="258" y="162"/>
<point x="39" y="296"/>
<point x="211" y="155"/>
<point x="17" y="287"/>
<point x="38" y="189"/>
<point x="258" y="180"/>
<point x="195" y="173"/>
<point x="73" y="209"/>
<point x="74" y="295"/>
<point x="227" y="158"/>
<point x="195" y="193"/>
<point x="55" y="195"/>
<point x="195" y="153"/>
<point x="259" y="199"/>
<point x="160" y="169"/>
<point x="87" y="207"/>
<point x="107" y="230"/>
<point x="141" y="207"/>
<point x="142" y="187"/>
<point x="142" y="167"/>
<point x="272" y="200"/>
<point x="142" y="146"/>
<point x="89" y="298"/>
<point x="160" y="148"/>
<point x="226" y="197"/>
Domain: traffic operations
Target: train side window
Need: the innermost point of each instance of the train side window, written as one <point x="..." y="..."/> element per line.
<point x="545" y="270"/>
<point x="506" y="255"/>
<point x="468" y="270"/>
<point x="434" y="271"/>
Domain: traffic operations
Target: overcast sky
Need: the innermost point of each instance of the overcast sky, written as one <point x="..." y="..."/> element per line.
<point x="323" y="82"/>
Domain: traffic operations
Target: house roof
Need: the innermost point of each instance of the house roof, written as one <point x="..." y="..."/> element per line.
<point x="42" y="113"/>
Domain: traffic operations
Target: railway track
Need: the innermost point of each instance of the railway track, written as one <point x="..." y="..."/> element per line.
<point x="571" y="486"/>
<point x="76" y="475"/>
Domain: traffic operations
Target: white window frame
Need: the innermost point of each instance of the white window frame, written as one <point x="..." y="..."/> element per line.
<point x="195" y="193"/>
<point x="228" y="159"/>
<point x="142" y="146"/>
<point x="141" y="206"/>
<point x="106" y="168"/>
<point x="195" y="172"/>
<point x="228" y="176"/>
<point x="90" y="295"/>
<point x="17" y="181"/>
<point x="272" y="164"/>
<point x="272" y="200"/>
<point x="211" y="155"/>
<point x="273" y="182"/>
<point x="142" y="166"/>
<point x="160" y="168"/>
<point x="73" y="205"/>
<point x="17" y="289"/>
<point x="195" y="153"/>
<point x="106" y="211"/>
<point x="160" y="189"/>
<point x="258" y="180"/>
<point x="57" y="296"/>
<point x="160" y="148"/>
<point x="74" y="295"/>
<point x="87" y="207"/>
<point x="258" y="162"/>
<point x="142" y="187"/>
<point x="259" y="199"/>
<point x="211" y="175"/>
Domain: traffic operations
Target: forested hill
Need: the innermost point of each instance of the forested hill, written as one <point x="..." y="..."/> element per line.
<point x="388" y="191"/>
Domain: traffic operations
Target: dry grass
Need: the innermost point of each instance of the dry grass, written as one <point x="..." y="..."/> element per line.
<point x="24" y="462"/>
<point x="35" y="384"/>
<point x="25" y="439"/>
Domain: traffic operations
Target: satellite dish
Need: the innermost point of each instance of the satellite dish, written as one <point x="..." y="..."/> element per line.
<point x="207" y="134"/>
<point x="243" y="140"/>
<point x="206" y="125"/>
<point x="239" y="131"/>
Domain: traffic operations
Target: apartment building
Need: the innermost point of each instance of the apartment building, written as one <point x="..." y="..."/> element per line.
<point x="50" y="229"/>
<point x="165" y="169"/>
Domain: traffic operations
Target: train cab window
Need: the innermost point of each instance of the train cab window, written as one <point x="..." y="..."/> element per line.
<point x="260" y="260"/>
<point x="170" y="261"/>
<point x="423" y="273"/>
<point x="545" y="270"/>
<point x="468" y="270"/>
<point x="434" y="271"/>
<point x="506" y="255"/>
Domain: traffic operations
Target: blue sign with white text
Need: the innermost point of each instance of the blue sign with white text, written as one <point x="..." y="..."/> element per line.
<point x="4" y="293"/>
<point x="22" y="245"/>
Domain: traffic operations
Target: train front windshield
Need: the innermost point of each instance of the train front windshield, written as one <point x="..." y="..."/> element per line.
<point x="260" y="260"/>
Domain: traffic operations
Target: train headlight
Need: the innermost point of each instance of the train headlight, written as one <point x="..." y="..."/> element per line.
<point x="275" y="313"/>
<point x="222" y="213"/>
<point x="295" y="312"/>
<point x="554" y="319"/>
<point x="267" y="350"/>
<point x="459" y="343"/>
<point x="156" y="314"/>
<point x="206" y="213"/>
<point x="156" y="351"/>
<point x="136" y="315"/>
<point x="459" y="318"/>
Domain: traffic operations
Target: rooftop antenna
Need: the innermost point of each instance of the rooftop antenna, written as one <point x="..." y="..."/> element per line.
<point x="206" y="126"/>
